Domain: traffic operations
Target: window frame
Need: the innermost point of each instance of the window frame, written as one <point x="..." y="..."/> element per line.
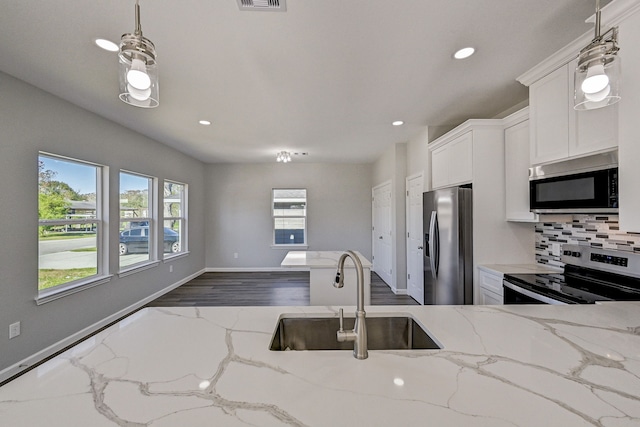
<point x="151" y="219"/>
<point x="304" y="216"/>
<point x="102" y="238"/>
<point x="183" y="219"/>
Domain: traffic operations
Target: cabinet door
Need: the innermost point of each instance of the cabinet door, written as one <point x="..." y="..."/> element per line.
<point x="591" y="130"/>
<point x="461" y="159"/>
<point x="440" y="167"/>
<point x="549" y="117"/>
<point x="516" y="168"/>
<point x="629" y="151"/>
<point x="490" y="298"/>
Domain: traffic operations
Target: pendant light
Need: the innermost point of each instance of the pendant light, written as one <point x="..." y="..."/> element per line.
<point x="138" y="68"/>
<point x="597" y="76"/>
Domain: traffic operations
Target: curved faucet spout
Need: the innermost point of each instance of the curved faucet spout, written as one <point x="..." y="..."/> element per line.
<point x="359" y="333"/>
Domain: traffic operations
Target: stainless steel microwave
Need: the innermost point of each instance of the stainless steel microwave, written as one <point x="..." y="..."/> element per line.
<point x="586" y="190"/>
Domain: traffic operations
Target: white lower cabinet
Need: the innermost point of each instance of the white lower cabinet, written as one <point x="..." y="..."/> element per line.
<point x="490" y="287"/>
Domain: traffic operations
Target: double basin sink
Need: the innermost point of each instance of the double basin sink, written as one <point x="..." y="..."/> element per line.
<point x="294" y="332"/>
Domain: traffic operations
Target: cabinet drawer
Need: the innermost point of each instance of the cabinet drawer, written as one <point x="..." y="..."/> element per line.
<point x="491" y="282"/>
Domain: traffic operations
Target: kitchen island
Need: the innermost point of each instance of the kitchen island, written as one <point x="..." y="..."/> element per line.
<point x="322" y="267"/>
<point x="500" y="366"/>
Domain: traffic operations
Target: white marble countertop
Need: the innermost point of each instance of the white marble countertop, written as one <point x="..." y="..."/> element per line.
<point x="534" y="268"/>
<point x="319" y="259"/>
<point x="500" y="366"/>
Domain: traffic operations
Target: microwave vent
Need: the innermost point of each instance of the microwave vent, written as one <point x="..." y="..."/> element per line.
<point x="589" y="163"/>
<point x="263" y="5"/>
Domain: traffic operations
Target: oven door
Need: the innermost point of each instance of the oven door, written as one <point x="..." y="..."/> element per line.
<point x="514" y="294"/>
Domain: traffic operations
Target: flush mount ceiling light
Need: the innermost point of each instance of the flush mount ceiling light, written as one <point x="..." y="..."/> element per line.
<point x="283" y="156"/>
<point x="464" y="53"/>
<point x="138" y="68"/>
<point x="597" y="76"/>
<point x="204" y="122"/>
<point x="397" y="123"/>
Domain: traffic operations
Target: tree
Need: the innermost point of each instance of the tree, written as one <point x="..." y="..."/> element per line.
<point x="52" y="203"/>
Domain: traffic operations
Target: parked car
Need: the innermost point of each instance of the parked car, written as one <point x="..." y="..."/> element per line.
<point x="136" y="240"/>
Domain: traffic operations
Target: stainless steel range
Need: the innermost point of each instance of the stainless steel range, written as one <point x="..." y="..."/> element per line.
<point x="590" y="275"/>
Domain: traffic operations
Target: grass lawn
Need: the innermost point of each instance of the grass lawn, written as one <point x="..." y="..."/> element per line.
<point x="66" y="236"/>
<point x="50" y="278"/>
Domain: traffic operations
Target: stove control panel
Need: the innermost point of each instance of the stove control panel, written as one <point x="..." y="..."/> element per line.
<point x="626" y="263"/>
<point x="608" y="259"/>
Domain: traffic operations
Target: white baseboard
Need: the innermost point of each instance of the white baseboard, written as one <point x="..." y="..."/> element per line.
<point x="24" y="364"/>
<point x="400" y="291"/>
<point x="251" y="269"/>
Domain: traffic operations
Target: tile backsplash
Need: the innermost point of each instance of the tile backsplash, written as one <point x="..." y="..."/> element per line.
<point x="591" y="230"/>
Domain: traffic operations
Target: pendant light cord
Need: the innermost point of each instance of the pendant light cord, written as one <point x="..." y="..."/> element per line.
<point x="138" y="30"/>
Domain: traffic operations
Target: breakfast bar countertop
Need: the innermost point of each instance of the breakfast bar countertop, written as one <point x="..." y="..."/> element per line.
<point x="319" y="259"/>
<point x="202" y="366"/>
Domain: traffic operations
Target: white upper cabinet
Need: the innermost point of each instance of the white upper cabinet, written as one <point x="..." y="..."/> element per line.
<point x="597" y="130"/>
<point x="516" y="168"/>
<point x="549" y="118"/>
<point x="629" y="151"/>
<point x="452" y="162"/>
<point x="557" y="131"/>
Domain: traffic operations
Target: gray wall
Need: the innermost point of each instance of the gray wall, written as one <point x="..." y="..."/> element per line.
<point x="238" y="209"/>
<point x="32" y="120"/>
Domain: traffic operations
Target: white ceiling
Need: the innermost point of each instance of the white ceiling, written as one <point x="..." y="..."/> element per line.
<point x="325" y="77"/>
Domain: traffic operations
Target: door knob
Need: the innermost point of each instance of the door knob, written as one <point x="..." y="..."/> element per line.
<point x="420" y="247"/>
<point x="380" y="237"/>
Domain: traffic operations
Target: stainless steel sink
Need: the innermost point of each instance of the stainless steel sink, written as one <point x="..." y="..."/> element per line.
<point x="319" y="333"/>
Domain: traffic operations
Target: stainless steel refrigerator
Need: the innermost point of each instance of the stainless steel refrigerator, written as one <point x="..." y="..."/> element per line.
<point x="448" y="246"/>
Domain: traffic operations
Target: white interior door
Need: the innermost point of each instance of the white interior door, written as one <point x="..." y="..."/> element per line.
<point x="382" y="254"/>
<point x="415" y="278"/>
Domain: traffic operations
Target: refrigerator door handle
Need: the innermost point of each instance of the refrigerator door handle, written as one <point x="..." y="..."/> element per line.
<point x="434" y="249"/>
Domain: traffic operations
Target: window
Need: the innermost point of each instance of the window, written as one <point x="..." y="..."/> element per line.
<point x="137" y="220"/>
<point x="289" y="216"/>
<point x="70" y="226"/>
<point x="175" y="218"/>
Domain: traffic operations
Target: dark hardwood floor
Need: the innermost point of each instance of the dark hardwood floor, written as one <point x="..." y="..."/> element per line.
<point x="287" y="288"/>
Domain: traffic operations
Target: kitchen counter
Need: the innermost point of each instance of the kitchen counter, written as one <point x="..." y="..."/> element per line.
<point x="500" y="366"/>
<point x="536" y="268"/>
<point x="322" y="266"/>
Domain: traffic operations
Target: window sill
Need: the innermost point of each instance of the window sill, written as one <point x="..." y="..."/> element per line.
<point x="137" y="267"/>
<point x="169" y="258"/>
<point x="290" y="247"/>
<point x="54" y="294"/>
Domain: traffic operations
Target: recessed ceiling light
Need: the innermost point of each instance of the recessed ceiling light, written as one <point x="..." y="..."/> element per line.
<point x="204" y="122"/>
<point x="106" y="45"/>
<point x="464" y="53"/>
<point x="398" y="123"/>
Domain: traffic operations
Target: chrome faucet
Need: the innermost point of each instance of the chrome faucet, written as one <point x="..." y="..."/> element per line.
<point x="359" y="333"/>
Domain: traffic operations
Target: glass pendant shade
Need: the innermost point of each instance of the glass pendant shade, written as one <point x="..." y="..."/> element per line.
<point x="597" y="78"/>
<point x="138" y="69"/>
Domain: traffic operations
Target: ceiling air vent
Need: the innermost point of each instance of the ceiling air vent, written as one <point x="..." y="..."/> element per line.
<point x="266" y="5"/>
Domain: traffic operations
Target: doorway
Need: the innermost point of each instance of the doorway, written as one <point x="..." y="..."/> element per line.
<point x="381" y="232"/>
<point x="415" y="278"/>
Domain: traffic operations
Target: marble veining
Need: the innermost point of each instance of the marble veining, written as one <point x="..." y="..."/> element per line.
<point x="202" y="366"/>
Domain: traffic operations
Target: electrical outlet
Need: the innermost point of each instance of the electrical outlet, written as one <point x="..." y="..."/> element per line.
<point x="235" y="254"/>
<point x="555" y="249"/>
<point x="14" y="330"/>
<point x="171" y="268"/>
